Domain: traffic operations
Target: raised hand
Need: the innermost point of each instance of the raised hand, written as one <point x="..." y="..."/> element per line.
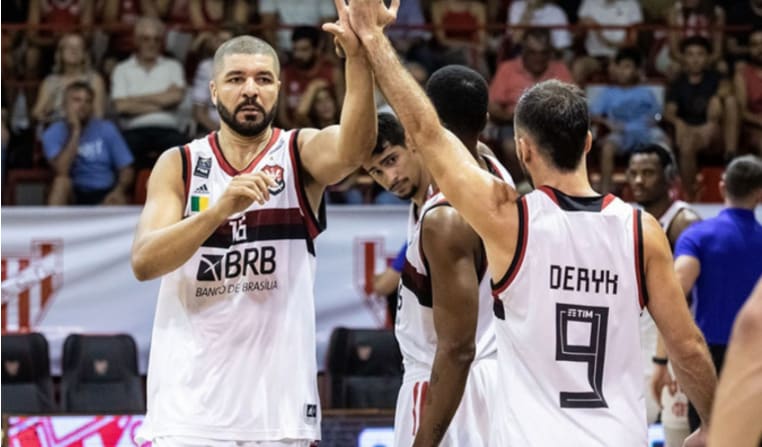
<point x="344" y="38"/>
<point x="371" y="16"/>
<point x="244" y="190"/>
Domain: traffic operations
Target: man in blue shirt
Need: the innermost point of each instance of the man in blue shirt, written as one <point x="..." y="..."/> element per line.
<point x="721" y="258"/>
<point x="628" y="111"/>
<point x="92" y="163"/>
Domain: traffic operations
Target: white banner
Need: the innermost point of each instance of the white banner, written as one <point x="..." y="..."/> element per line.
<point x="67" y="270"/>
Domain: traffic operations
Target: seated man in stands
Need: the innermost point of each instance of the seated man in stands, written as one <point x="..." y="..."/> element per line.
<point x="512" y="77"/>
<point x="628" y="110"/>
<point x="147" y="89"/>
<point x="701" y="106"/>
<point x="748" y="84"/>
<point x="91" y="161"/>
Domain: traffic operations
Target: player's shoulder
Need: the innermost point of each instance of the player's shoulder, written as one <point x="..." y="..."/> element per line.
<point x="446" y="226"/>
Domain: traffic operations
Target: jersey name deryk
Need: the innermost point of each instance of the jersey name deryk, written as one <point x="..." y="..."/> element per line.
<point x="581" y="279"/>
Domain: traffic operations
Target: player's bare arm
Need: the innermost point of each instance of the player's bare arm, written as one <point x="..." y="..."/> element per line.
<point x="330" y="154"/>
<point x="163" y="239"/>
<point x="453" y="250"/>
<point x="683" y="220"/>
<point x="486" y="202"/>
<point x="683" y="340"/>
<point x="738" y="404"/>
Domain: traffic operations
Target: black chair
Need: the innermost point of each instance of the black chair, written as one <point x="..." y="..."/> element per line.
<point x="100" y="375"/>
<point x="364" y="368"/>
<point x="27" y="387"/>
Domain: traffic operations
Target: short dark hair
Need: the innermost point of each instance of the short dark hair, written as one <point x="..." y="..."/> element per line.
<point x="697" y="40"/>
<point x="542" y="34"/>
<point x="665" y="154"/>
<point x="629" y="54"/>
<point x="306" y="32"/>
<point x="460" y="95"/>
<point x="743" y="176"/>
<point x="79" y="85"/>
<point x="390" y="133"/>
<point x="555" y="114"/>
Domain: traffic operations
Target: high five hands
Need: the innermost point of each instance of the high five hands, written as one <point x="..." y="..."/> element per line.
<point x="359" y="18"/>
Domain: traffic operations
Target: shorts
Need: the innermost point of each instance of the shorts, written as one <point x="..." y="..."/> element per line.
<point x="471" y="424"/>
<point x="188" y="441"/>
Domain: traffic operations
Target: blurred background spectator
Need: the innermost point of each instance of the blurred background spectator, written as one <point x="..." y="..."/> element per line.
<point x="744" y="14"/>
<point x="120" y="16"/>
<point x="146" y="90"/>
<point x="306" y="64"/>
<point x="535" y="64"/>
<point x="527" y="13"/>
<point x="703" y="110"/>
<point x="628" y="111"/>
<point x="71" y="63"/>
<point x="602" y="44"/>
<point x="748" y="85"/>
<point x="460" y="33"/>
<point x="280" y="16"/>
<point x="91" y="161"/>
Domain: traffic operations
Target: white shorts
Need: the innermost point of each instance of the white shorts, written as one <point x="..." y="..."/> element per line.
<point x="188" y="441"/>
<point x="471" y="424"/>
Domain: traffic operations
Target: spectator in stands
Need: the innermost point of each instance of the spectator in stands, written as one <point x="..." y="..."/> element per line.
<point x="91" y="161"/>
<point x="748" y="84"/>
<point x="318" y="106"/>
<point x="692" y="18"/>
<point x="628" y="111"/>
<point x="719" y="259"/>
<point x="208" y="17"/>
<point x="602" y="44"/>
<point x="701" y="106"/>
<point x="460" y="33"/>
<point x="119" y="17"/>
<point x="746" y="14"/>
<point x="281" y="15"/>
<point x="306" y="65"/>
<point x="539" y="13"/>
<point x="146" y="90"/>
<point x="512" y="77"/>
<point x="204" y="111"/>
<point x="72" y="63"/>
<point x="63" y="15"/>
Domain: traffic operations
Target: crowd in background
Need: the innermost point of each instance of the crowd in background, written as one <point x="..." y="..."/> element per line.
<point x="94" y="90"/>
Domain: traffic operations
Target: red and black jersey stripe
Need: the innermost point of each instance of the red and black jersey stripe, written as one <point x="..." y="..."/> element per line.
<point x="418" y="284"/>
<point x="518" y="258"/>
<point x="264" y="225"/>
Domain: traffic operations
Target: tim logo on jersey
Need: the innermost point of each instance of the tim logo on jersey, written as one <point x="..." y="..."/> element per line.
<point x="276" y="172"/>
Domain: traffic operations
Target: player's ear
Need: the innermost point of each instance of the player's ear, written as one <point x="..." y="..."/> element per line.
<point x="588" y="141"/>
<point x="213" y="91"/>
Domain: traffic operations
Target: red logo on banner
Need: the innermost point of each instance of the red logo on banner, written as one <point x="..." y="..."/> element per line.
<point x="73" y="431"/>
<point x="29" y="282"/>
<point x="368" y="253"/>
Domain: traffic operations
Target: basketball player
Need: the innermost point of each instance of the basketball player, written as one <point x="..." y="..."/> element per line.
<point x="737" y="408"/>
<point x="229" y="223"/>
<point x="444" y="314"/>
<point x="651" y="173"/>
<point x="573" y="269"/>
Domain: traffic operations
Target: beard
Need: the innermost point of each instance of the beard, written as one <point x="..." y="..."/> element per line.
<point x="246" y="127"/>
<point x="409" y="195"/>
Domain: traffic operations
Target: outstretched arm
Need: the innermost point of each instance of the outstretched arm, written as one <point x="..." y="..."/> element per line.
<point x="483" y="200"/>
<point x="684" y="342"/>
<point x="331" y="154"/>
<point x="453" y="251"/>
<point x="163" y="239"/>
<point x="738" y="405"/>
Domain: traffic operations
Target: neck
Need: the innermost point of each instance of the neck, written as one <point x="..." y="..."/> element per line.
<point x="240" y="150"/>
<point x="695" y="77"/>
<point x="573" y="183"/>
<point x="660" y="206"/>
<point x="423" y="188"/>
<point x="747" y="204"/>
<point x="145" y="61"/>
<point x="69" y="70"/>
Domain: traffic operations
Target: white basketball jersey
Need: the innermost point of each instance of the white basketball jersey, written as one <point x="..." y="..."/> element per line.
<point x="648" y="332"/>
<point x="414" y="325"/>
<point x="233" y="347"/>
<point x="567" y="325"/>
